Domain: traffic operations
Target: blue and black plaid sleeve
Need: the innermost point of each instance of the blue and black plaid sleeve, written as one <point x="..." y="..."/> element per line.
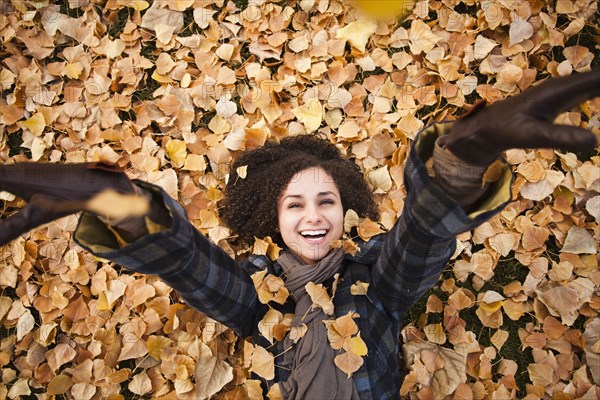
<point x="206" y="277"/>
<point x="416" y="250"/>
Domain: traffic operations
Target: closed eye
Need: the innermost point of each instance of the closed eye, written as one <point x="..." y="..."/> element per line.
<point x="327" y="201"/>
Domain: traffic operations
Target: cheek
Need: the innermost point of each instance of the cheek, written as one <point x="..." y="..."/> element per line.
<point x="338" y="222"/>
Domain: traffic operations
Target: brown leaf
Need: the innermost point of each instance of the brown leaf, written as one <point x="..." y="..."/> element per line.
<point x="359" y="288"/>
<point x="348" y="362"/>
<point x="445" y="380"/>
<point x="59" y="384"/>
<point x="319" y="297"/>
<point x="541" y="374"/>
<point x="263" y="363"/>
<point x="591" y="337"/>
<point x="341" y="329"/>
<point x="368" y="228"/>
<point x="140" y="384"/>
<point x="60" y="355"/>
<point x="211" y="373"/>
<point x="269" y="321"/>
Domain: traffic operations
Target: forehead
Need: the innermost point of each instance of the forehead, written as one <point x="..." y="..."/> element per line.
<point x="312" y="180"/>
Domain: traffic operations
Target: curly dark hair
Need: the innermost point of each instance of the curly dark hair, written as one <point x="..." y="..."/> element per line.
<point x="250" y="204"/>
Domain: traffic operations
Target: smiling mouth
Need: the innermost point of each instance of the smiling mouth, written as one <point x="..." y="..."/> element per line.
<point x="314" y="235"/>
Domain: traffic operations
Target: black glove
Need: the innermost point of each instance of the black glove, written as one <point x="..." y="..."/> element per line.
<point x="54" y="191"/>
<point x="525" y="121"/>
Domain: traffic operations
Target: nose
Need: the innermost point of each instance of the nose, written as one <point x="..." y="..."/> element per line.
<point x="312" y="214"/>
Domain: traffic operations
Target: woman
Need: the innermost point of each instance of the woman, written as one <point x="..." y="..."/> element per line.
<point x="298" y="192"/>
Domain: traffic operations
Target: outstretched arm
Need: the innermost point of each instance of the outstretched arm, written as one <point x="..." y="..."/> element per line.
<point x="204" y="275"/>
<point x="418" y="247"/>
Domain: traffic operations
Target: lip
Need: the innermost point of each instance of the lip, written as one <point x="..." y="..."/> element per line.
<point x="319" y="240"/>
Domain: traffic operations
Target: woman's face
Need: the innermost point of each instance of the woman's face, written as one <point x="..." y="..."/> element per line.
<point x="310" y="214"/>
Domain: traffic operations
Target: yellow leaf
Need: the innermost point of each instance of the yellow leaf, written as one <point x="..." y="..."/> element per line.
<point x="218" y="233"/>
<point x="208" y="219"/>
<point x="541" y="374"/>
<point x="37" y="148"/>
<point x="357" y="33"/>
<point x="73" y="70"/>
<point x="266" y="247"/>
<point x="177" y="151"/>
<point x="36" y="124"/>
<point x="156" y="344"/>
<point x="384" y="9"/>
<point x="274" y="393"/>
<point x="579" y="241"/>
<point x="460" y="300"/>
<point x="310" y="114"/>
<point x="180" y="5"/>
<point x="356" y="346"/>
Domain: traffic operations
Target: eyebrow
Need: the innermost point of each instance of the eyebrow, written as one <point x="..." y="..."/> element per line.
<point x="320" y="194"/>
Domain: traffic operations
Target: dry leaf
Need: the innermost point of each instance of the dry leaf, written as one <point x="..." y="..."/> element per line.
<point x="115" y="206"/>
<point x="435" y="333"/>
<point x="422" y="39"/>
<point x="357" y="33"/>
<point x="263" y="363"/>
<point x="359" y="288"/>
<point x="499" y="338"/>
<point x="367" y="229"/>
<point x="591" y="338"/>
<point x="348" y="362"/>
<point x="310" y="114"/>
<point x="341" y="329"/>
<point x="211" y="373"/>
<point x="140" y="384"/>
<point x="319" y="297"/>
<point x="269" y="321"/>
<point x="445" y="380"/>
<point x="579" y="241"/>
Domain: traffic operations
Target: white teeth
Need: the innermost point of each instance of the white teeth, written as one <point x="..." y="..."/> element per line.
<point x="314" y="233"/>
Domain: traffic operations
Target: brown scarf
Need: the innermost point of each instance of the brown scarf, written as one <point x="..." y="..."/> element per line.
<point x="313" y="372"/>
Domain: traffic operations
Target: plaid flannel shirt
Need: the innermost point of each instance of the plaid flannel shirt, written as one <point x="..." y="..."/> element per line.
<point x="399" y="266"/>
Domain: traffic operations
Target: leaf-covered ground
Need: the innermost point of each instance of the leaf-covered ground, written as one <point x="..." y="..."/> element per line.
<point x="173" y="90"/>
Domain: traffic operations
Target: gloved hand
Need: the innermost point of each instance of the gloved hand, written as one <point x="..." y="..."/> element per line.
<point x="56" y="190"/>
<point x="525" y="121"/>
